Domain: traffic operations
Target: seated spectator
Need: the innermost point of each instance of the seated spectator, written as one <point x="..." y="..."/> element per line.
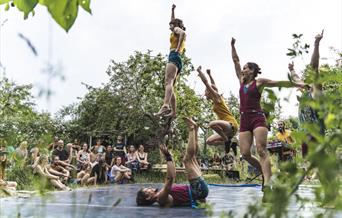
<point x="58" y="170"/>
<point x="76" y="145"/>
<point x="21" y="152"/>
<point x="100" y="149"/>
<point x="109" y="157"/>
<point x="120" y="149"/>
<point x="228" y="162"/>
<point x="216" y="160"/>
<point x="132" y="160"/>
<point x="99" y="171"/>
<point x="142" y="158"/>
<point x="84" y="175"/>
<point x="61" y="152"/>
<point x="119" y="172"/>
<point x="54" y="144"/>
<point x="72" y="150"/>
<point x="42" y="170"/>
<point x="8" y="185"/>
<point x="33" y="157"/>
<point x="83" y="156"/>
<point x="93" y="157"/>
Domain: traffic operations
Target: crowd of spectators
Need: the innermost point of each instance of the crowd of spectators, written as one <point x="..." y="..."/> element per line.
<point x="61" y="164"/>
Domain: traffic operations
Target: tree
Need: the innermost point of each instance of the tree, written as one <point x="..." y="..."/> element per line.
<point x="18" y="119"/>
<point x="134" y="92"/>
<point x="64" y="12"/>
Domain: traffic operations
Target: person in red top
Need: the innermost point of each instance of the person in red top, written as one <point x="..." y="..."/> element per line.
<point x="252" y="118"/>
<point x="179" y="195"/>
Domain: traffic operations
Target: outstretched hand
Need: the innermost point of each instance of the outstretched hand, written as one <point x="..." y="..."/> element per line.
<point x="319" y="37"/>
<point x="232" y="42"/>
<point x="173" y="6"/>
<point x="199" y="69"/>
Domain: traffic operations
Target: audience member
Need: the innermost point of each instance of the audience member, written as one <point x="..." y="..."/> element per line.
<point x="142" y="158"/>
<point x="42" y="170"/>
<point x="61" y="152"/>
<point x="119" y="172"/>
<point x="120" y="149"/>
<point x="109" y="157"/>
<point x="132" y="160"/>
<point x="54" y="144"/>
<point x="21" y="152"/>
<point x="99" y="171"/>
<point x="100" y="149"/>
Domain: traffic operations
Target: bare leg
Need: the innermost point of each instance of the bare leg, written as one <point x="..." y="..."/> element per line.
<point x="260" y="134"/>
<point x="190" y="161"/>
<point x="215" y="139"/>
<point x="246" y="140"/>
<point x="223" y="128"/>
<point x="170" y="76"/>
<point x="85" y="179"/>
<point x="173" y="106"/>
<point x="91" y="180"/>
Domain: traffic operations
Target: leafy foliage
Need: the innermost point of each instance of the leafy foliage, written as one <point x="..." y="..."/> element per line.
<point x="125" y="104"/>
<point x="18" y="119"/>
<point x="64" y="12"/>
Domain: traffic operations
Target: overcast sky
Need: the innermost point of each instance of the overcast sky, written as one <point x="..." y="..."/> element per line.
<point x="117" y="28"/>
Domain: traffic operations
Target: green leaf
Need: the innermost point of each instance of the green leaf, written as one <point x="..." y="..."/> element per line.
<point x="4" y="1"/>
<point x="25" y="6"/>
<point x="64" y="12"/>
<point x="85" y="4"/>
<point x="7" y="7"/>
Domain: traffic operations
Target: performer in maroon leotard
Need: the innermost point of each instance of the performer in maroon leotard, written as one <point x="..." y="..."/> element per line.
<point x="252" y="120"/>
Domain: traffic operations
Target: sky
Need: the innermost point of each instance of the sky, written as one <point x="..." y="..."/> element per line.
<point x="117" y="28"/>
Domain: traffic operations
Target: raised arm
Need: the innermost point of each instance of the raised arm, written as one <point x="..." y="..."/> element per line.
<point x="164" y="199"/>
<point x="317" y="88"/>
<point x="173" y="12"/>
<point x="206" y="82"/>
<point x="236" y="60"/>
<point x="212" y="81"/>
<point x="315" y="55"/>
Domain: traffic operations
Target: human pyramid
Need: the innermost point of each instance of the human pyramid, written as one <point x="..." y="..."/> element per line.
<point x="252" y="122"/>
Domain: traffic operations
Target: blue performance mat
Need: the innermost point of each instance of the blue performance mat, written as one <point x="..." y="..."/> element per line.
<point x="119" y="201"/>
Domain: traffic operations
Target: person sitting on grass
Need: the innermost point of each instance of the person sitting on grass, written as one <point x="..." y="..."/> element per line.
<point x="119" y="172"/>
<point x="8" y="185"/>
<point x="42" y="170"/>
<point x="99" y="171"/>
<point x="84" y="175"/>
<point x="142" y="158"/>
<point x="58" y="170"/>
<point x="179" y="195"/>
<point x="21" y="152"/>
<point x="132" y="160"/>
<point x="216" y="160"/>
<point x="83" y="156"/>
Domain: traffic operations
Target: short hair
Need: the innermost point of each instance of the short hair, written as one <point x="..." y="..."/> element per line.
<point x="141" y="199"/>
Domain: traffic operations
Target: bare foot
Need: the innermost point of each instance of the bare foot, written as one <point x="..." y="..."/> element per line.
<point x="190" y="123"/>
<point x="163" y="110"/>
